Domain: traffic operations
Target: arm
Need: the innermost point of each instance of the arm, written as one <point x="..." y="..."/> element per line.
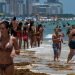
<point x="61" y="40"/>
<point x="16" y="46"/>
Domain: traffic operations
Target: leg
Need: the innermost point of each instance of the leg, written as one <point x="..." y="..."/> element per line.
<point x="27" y="44"/>
<point x="30" y="42"/>
<point x="24" y="44"/>
<point x="59" y="49"/>
<point x="58" y="54"/>
<point x="55" y="51"/>
<point x="39" y="42"/>
<point x="20" y="42"/>
<point x="9" y="70"/>
<point x="70" y="55"/>
<point x="1" y="72"/>
<point x="55" y="55"/>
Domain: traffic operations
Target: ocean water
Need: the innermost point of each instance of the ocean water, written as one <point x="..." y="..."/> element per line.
<point x="41" y="56"/>
<point x="49" y="27"/>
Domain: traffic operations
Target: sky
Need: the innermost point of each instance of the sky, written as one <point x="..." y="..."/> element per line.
<point x="68" y="6"/>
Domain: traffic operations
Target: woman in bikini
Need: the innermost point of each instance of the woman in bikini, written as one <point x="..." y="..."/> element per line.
<point x="32" y="35"/>
<point x="19" y="34"/>
<point x="13" y="27"/>
<point x="7" y="45"/>
<point x="71" y="44"/>
<point x="38" y="36"/>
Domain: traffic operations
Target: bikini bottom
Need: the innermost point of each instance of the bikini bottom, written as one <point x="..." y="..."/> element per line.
<point x="72" y="44"/>
<point x="3" y="67"/>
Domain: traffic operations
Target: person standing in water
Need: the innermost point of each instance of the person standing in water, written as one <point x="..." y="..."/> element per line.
<point x="56" y="38"/>
<point x="8" y="43"/>
<point x="71" y="44"/>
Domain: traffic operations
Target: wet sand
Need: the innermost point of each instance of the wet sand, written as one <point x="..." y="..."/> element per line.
<point x="26" y="72"/>
<point x="39" y="61"/>
<point x="23" y="68"/>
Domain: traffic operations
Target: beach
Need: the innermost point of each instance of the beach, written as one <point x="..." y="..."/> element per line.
<point x="39" y="60"/>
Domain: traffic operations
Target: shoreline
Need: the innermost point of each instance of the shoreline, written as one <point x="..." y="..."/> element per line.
<point x="40" y="60"/>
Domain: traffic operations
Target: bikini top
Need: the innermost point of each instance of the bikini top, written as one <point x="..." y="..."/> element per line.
<point x="8" y="47"/>
<point x="73" y="34"/>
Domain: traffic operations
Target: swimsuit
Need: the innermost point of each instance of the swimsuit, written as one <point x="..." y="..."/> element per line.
<point x="19" y="35"/>
<point x="25" y="37"/>
<point x="72" y="42"/>
<point x="56" y="48"/>
<point x="3" y="67"/>
<point x="8" y="48"/>
<point x="14" y="32"/>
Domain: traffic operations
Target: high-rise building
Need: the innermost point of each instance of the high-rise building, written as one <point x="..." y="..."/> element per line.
<point x="28" y="7"/>
<point x="2" y="7"/>
<point x="15" y="7"/>
<point x="35" y="1"/>
<point x="53" y="1"/>
<point x="48" y="8"/>
<point x="12" y="6"/>
<point x="55" y="7"/>
<point x="2" y="1"/>
<point x="20" y="7"/>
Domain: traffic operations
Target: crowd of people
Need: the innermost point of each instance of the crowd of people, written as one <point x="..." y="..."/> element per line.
<point x="13" y="34"/>
<point x="27" y="32"/>
<point x="57" y="39"/>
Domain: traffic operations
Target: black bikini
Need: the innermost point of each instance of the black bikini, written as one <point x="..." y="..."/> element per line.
<point x="73" y="34"/>
<point x="72" y="43"/>
<point x="3" y="67"/>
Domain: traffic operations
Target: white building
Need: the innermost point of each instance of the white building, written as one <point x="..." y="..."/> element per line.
<point x="47" y="8"/>
<point x="2" y="7"/>
<point x="55" y="8"/>
<point x="40" y="8"/>
<point x="52" y="1"/>
<point x="30" y="7"/>
<point x="15" y="7"/>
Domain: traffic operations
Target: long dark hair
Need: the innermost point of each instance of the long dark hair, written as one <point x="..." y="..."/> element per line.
<point x="6" y="23"/>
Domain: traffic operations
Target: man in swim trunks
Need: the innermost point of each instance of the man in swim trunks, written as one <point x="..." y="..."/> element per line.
<point x="56" y="38"/>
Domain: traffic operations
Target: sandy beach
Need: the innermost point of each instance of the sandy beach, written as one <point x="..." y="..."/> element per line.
<point x="39" y="61"/>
